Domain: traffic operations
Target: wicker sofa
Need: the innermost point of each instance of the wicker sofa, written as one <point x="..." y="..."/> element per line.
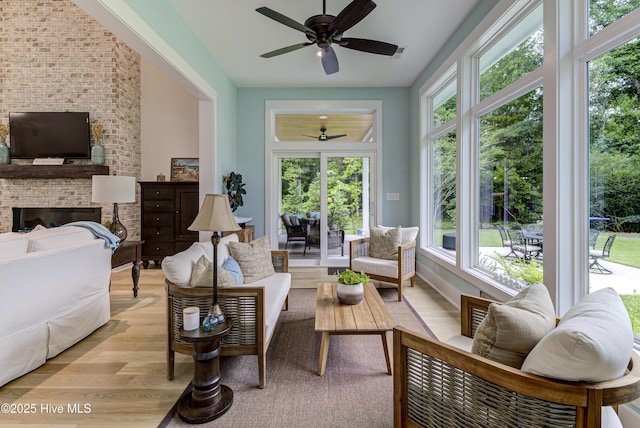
<point x="254" y="307"/>
<point x="438" y="384"/>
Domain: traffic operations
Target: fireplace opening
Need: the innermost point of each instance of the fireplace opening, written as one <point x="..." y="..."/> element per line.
<point x="26" y="219"/>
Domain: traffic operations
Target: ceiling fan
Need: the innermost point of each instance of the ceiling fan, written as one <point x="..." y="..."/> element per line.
<point x="325" y="30"/>
<point x="323" y="136"/>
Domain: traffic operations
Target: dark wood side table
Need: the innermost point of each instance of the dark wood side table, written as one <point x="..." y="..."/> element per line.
<point x="129" y="252"/>
<point x="208" y="399"/>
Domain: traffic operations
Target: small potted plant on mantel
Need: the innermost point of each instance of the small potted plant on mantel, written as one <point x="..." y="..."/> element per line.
<point x="351" y="286"/>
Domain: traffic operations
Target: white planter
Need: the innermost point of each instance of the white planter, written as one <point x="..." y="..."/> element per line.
<point x="350" y="294"/>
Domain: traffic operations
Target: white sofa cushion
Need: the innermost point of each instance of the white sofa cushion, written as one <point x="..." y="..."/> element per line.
<point x="408" y="234"/>
<point x="371" y="265"/>
<point x="510" y="330"/>
<point x="592" y="342"/>
<point x="13" y="244"/>
<point x="57" y="237"/>
<point x="177" y="268"/>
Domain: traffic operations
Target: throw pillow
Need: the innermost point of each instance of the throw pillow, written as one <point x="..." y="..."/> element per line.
<point x="231" y="266"/>
<point x="254" y="258"/>
<point x="202" y="274"/>
<point x="510" y="330"/>
<point x="409" y="234"/>
<point x="178" y="268"/>
<point x="593" y="341"/>
<point x="383" y="244"/>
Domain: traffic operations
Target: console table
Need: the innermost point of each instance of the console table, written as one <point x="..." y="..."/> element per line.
<point x="129" y="252"/>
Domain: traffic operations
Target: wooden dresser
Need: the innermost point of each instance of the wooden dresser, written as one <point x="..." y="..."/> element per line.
<point x="168" y="209"/>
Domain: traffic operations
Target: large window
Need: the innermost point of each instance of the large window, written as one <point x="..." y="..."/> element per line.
<point x="440" y="141"/>
<point x="561" y="180"/>
<point x="614" y="162"/>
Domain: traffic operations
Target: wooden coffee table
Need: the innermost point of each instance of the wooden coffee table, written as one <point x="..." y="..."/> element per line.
<point x="367" y="317"/>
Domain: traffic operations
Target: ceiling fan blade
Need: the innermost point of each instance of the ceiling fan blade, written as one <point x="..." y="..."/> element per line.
<point x="330" y="61"/>
<point x="370" y="46"/>
<point x="331" y="137"/>
<point x="310" y="136"/>
<point x="353" y="13"/>
<point x="277" y="16"/>
<point x="285" y="50"/>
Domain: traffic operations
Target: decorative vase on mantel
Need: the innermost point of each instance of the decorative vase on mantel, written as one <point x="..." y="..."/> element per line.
<point x="97" y="151"/>
<point x="97" y="154"/>
<point x="5" y="153"/>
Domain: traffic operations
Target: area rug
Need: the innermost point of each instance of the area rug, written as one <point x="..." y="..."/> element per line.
<point x="355" y="391"/>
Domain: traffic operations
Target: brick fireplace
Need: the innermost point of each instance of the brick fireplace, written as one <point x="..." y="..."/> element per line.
<point x="56" y="58"/>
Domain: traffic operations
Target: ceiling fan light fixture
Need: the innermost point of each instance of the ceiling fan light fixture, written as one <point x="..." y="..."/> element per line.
<point x="325" y="30"/>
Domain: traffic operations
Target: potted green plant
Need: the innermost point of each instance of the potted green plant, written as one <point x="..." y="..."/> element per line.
<point x="350" y="288"/>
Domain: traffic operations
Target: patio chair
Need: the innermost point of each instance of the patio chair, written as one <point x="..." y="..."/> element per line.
<point x="593" y="237"/>
<point x="295" y="231"/>
<point x="520" y="245"/>
<point x="506" y="242"/>
<point x="596" y="255"/>
<point x="335" y="237"/>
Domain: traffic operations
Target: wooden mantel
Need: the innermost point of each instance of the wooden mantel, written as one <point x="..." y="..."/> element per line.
<point x="14" y="171"/>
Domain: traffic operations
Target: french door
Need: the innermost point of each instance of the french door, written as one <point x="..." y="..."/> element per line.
<point x="330" y="196"/>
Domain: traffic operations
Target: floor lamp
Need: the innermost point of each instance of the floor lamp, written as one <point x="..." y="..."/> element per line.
<point x="114" y="189"/>
<point x="214" y="216"/>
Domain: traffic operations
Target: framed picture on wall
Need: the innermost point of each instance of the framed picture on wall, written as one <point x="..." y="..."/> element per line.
<point x="185" y="169"/>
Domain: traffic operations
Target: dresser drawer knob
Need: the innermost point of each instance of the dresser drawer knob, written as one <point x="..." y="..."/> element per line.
<point x="157" y="205"/>
<point x="157" y="193"/>
<point x="157" y="218"/>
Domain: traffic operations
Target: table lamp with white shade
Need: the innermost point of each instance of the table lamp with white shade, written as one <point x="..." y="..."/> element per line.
<point x="114" y="189"/>
<point x="214" y="216"/>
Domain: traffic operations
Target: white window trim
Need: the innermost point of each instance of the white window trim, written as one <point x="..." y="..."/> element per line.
<point x="564" y="75"/>
<point x="277" y="149"/>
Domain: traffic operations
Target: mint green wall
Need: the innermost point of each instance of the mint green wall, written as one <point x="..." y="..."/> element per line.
<point x="166" y="22"/>
<point x="395" y="141"/>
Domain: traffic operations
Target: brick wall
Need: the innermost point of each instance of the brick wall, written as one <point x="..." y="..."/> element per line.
<point x="53" y="57"/>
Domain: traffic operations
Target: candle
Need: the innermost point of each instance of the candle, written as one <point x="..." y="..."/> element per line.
<point x="191" y="318"/>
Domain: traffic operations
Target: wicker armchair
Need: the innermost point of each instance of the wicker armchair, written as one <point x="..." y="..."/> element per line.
<point x="439" y="385"/>
<point x="393" y="271"/>
<point x="245" y="304"/>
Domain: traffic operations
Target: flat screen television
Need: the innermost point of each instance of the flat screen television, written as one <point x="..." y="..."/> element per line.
<point x="49" y="135"/>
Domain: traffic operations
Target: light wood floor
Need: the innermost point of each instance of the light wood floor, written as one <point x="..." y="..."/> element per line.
<point x="117" y="376"/>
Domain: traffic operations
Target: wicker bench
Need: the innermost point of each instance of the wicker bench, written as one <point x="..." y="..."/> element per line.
<point x="246" y="304"/>
<point x="437" y="385"/>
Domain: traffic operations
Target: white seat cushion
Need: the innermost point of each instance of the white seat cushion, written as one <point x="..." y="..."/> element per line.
<point x="276" y="289"/>
<point x="461" y="342"/>
<point x="374" y="266"/>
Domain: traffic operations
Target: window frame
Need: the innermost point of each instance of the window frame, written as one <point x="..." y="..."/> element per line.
<point x="563" y="76"/>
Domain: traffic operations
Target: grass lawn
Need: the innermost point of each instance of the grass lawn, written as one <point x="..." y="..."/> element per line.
<point x="625" y="249"/>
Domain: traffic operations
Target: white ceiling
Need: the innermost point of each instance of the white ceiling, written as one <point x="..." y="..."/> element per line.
<point x="236" y="35"/>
